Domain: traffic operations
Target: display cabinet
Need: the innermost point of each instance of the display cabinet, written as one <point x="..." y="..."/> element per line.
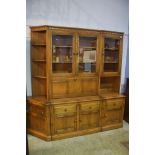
<point x="75" y="82"/>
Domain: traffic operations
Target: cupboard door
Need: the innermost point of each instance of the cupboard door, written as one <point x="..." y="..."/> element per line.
<point x="90" y="85"/>
<point x="38" y="119"/>
<point x="65" y="124"/>
<point x="89" y="115"/>
<point x="112" y="111"/>
<point x="75" y="87"/>
<point x="65" y="118"/>
<point x="59" y="88"/>
<point x="62" y="52"/>
<point x="112" y="117"/>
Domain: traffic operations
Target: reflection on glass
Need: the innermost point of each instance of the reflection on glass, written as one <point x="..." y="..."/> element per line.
<point x="111" y="55"/>
<point x="62" y="53"/>
<point x="87" y="54"/>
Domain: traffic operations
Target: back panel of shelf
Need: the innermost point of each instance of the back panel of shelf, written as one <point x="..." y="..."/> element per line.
<point x="109" y="84"/>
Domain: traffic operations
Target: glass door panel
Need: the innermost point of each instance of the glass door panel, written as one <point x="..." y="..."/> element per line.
<point x="62" y="51"/>
<point x="111" y="55"/>
<point x="87" y="54"/>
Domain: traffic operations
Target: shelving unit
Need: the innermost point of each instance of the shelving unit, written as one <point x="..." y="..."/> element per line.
<point x="75" y="82"/>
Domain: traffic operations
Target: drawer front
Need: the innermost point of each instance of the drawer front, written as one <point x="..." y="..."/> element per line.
<point x="89" y="106"/>
<point x="64" y="109"/>
<point x="112" y="104"/>
<point x="38" y="110"/>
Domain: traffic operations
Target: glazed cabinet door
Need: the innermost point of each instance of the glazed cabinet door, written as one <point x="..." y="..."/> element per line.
<point x="111" y="53"/>
<point x="89" y="115"/>
<point x="87" y="48"/>
<point x="62" y="52"/>
<point x="65" y="118"/>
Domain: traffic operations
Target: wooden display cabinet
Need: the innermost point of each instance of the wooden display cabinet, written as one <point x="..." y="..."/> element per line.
<point x="75" y="82"/>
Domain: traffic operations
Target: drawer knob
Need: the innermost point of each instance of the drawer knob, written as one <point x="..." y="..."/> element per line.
<point x="42" y="112"/>
<point x="65" y="110"/>
<point x="90" y="107"/>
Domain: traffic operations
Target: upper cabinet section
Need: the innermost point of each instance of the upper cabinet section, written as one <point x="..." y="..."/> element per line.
<point x="76" y="51"/>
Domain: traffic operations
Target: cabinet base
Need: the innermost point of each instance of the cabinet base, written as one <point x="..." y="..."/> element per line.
<point x="39" y="135"/>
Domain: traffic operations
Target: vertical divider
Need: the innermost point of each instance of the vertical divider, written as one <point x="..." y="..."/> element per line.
<point x="48" y="62"/>
<point x="97" y="54"/>
<point x="76" y="53"/>
<point x="78" y="117"/>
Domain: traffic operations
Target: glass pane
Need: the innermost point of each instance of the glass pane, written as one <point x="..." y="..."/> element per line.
<point x="87" y="54"/>
<point x="62" y="53"/>
<point x="111" y="55"/>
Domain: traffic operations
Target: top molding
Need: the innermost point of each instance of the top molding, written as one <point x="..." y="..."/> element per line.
<point x="47" y="27"/>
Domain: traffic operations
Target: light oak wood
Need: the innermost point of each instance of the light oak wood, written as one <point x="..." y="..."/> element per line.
<point x="67" y="101"/>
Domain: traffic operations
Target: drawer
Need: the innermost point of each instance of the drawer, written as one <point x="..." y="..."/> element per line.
<point x="64" y="109"/>
<point x="114" y="104"/>
<point x="90" y="106"/>
<point x="39" y="110"/>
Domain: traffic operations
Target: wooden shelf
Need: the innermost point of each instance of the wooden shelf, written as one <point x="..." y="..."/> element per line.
<point x="38" y="60"/>
<point x="61" y="62"/>
<point x="110" y="62"/>
<point x="63" y="46"/>
<point x="40" y="77"/>
<point x="87" y="62"/>
<point x="87" y="47"/>
<point x="111" y="49"/>
<point x="38" y="44"/>
<point x="110" y="74"/>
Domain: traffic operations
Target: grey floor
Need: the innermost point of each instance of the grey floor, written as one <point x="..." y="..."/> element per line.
<point x="113" y="142"/>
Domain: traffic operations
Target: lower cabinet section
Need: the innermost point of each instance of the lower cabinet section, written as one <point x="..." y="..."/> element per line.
<point x="74" y="116"/>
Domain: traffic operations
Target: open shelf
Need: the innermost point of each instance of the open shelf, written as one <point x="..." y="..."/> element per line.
<point x="111" y="49"/>
<point x="61" y="62"/>
<point x="59" y="46"/>
<point x="110" y="62"/>
<point x="110" y="74"/>
<point x="109" y="84"/>
<point x="38" y="44"/>
<point x="39" y="60"/>
<point x="89" y="47"/>
<point x="40" y="77"/>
